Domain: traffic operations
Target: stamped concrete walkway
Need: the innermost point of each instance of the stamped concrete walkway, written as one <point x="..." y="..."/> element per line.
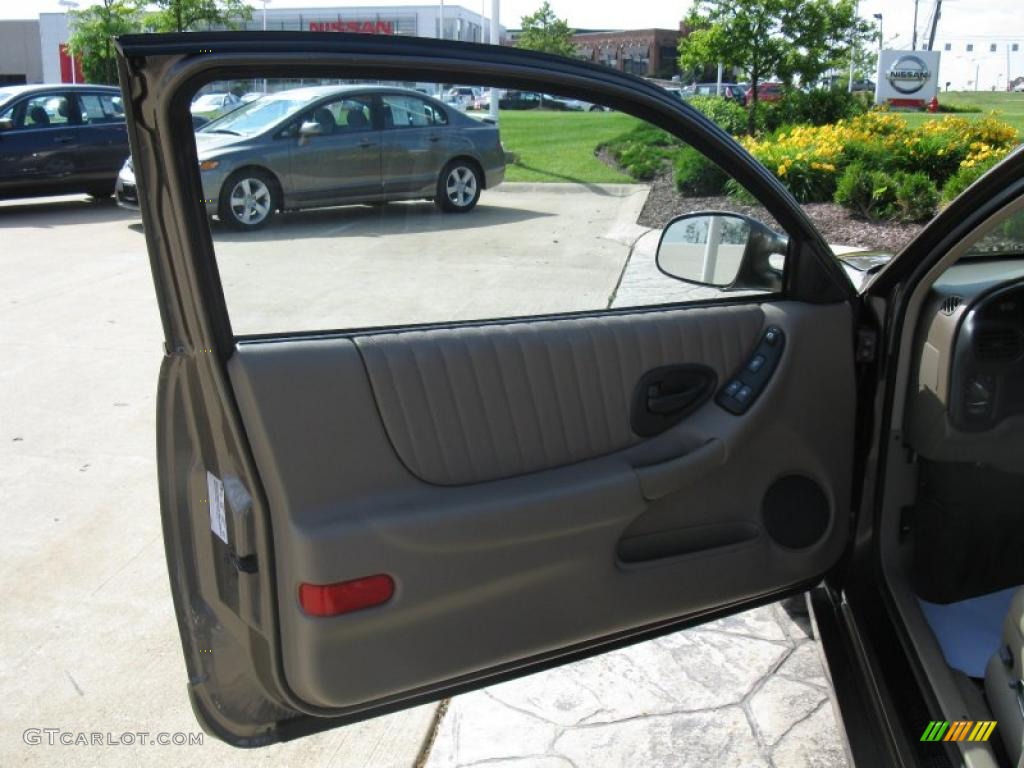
<point x="748" y="690"/>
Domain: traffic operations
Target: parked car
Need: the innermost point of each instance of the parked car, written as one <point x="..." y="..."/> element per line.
<point x="329" y="145"/>
<point x="213" y="105"/>
<point x="725" y="90"/>
<point x="60" y="139"/>
<point x="512" y="99"/>
<point x="578" y="105"/>
<point x="765" y="92"/>
<point x="360" y="520"/>
<point x="462" y="96"/>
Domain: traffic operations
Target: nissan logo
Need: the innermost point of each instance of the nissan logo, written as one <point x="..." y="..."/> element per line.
<point x="908" y="74"/>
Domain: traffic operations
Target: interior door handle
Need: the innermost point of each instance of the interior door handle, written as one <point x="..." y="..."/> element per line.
<point x="674" y="401"/>
<point x="665" y="395"/>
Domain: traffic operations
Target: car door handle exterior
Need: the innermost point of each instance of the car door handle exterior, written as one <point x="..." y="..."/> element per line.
<point x="63" y="139"/>
<point x="365" y="143"/>
<point x="434" y="139"/>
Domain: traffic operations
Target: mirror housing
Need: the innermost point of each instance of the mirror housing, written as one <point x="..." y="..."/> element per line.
<point x="6" y="124"/>
<point x="311" y="128"/>
<point x="724" y="250"/>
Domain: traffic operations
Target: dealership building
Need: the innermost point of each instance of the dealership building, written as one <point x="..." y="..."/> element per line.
<point x="36" y="51"/>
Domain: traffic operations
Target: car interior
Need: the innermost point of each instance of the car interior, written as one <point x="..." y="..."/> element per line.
<point x="953" y="531"/>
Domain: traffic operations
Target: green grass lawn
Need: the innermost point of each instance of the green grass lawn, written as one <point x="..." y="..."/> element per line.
<point x="1008" y="107"/>
<point x="559" y="146"/>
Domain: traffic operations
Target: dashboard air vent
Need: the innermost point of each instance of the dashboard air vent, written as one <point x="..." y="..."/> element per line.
<point x="949" y="305"/>
<point x="997" y="344"/>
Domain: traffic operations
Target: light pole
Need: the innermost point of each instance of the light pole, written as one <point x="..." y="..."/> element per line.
<point x="265" y="29"/>
<point x="913" y="45"/>
<point x="440" y="21"/>
<point x="853" y="44"/>
<point x="881" y="33"/>
<point x="495" y="40"/>
<point x="70" y="4"/>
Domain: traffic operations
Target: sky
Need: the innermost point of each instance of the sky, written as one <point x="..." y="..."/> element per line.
<point x="962" y="21"/>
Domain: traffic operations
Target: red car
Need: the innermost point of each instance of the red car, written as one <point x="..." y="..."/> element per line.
<point x="765" y="92"/>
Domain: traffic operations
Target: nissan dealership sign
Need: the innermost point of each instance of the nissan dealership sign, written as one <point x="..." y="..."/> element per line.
<point x="907" y="78"/>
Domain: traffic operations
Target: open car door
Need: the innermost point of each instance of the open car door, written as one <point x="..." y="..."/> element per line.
<point x="361" y="520"/>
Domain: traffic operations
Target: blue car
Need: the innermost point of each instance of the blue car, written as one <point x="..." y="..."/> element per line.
<point x="60" y="139"/>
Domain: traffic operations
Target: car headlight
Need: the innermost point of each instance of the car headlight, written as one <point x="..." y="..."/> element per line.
<point x="208" y="165"/>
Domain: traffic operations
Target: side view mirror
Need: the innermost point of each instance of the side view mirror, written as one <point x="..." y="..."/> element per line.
<point x="725" y="250"/>
<point x="311" y="128"/>
<point x="6" y="124"/>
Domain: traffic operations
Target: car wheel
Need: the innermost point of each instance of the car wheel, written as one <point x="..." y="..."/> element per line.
<point x="458" y="187"/>
<point x="247" y="199"/>
<point x="100" y="193"/>
<point x="595" y="108"/>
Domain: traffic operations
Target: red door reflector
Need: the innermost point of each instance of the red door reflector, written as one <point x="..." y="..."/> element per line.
<point x="346" y="596"/>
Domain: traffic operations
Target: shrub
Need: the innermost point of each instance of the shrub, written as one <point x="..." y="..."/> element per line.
<point x="916" y="197"/>
<point x="867" y="192"/>
<point x="642" y="152"/>
<point x="730" y="116"/>
<point x="820" y="106"/>
<point x="967" y="175"/>
<point x="877" y="195"/>
<point x="696" y="175"/>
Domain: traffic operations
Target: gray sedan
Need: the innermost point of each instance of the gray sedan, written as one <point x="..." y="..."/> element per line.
<point x="331" y="145"/>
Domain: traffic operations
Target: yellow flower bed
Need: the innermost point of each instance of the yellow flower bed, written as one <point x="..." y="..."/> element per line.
<point x="809" y="158"/>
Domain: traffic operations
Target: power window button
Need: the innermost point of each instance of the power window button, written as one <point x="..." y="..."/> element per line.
<point x="733" y="387"/>
<point x="755" y="364"/>
<point x="744" y="394"/>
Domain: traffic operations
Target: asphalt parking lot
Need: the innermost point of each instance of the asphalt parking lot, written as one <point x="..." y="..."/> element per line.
<point x="87" y="633"/>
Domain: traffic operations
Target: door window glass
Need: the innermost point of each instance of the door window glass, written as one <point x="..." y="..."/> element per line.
<point x="39" y="112"/>
<point x="99" y="108"/>
<point x="410" y="112"/>
<point x="551" y="211"/>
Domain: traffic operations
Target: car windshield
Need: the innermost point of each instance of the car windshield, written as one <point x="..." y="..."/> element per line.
<point x="5" y="96"/>
<point x="1004" y="238"/>
<point x="256" y="116"/>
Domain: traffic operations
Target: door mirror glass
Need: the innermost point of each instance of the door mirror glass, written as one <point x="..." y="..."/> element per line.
<point x="311" y="128"/>
<point x="725" y="250"/>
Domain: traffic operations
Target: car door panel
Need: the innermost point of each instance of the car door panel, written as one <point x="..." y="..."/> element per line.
<point x="489" y="470"/>
<point x="521" y="552"/>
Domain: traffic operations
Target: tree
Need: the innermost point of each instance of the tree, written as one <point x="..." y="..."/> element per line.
<point x="544" y="31"/>
<point x="92" y="36"/>
<point x="189" y="15"/>
<point x="787" y="39"/>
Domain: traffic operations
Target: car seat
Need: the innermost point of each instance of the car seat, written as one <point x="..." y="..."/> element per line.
<point x="38" y="116"/>
<point x="356" y="119"/>
<point x="389" y="118"/>
<point x="1004" y="681"/>
<point x="326" y="120"/>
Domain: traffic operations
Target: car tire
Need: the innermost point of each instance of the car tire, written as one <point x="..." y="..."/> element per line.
<point x="100" y="193"/>
<point x="595" y="108"/>
<point x="248" y="199"/>
<point x="458" y="186"/>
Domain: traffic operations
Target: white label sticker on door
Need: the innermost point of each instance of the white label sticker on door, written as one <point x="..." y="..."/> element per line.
<point x="215" y="494"/>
